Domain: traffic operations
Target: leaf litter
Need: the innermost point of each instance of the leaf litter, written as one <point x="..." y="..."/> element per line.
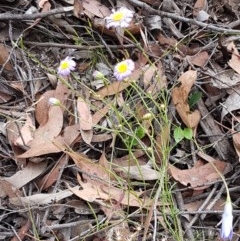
<point x="131" y="155"/>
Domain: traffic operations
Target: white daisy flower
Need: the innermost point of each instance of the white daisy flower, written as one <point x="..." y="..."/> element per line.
<point x="53" y="101"/>
<point x="120" y="18"/>
<point x="227" y="220"/>
<point x="123" y="69"/>
<point x="66" y="66"/>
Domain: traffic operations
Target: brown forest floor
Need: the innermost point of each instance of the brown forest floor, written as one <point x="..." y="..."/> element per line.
<point x="139" y="159"/>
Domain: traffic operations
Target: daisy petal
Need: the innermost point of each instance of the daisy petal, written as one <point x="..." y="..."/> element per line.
<point x="120" y="18"/>
<point x="227" y="220"/>
<point x="123" y="69"/>
<point x="66" y="66"/>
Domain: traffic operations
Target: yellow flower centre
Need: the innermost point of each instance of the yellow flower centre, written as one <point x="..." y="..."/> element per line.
<point x="118" y="16"/>
<point x="122" y="68"/>
<point x="64" y="65"/>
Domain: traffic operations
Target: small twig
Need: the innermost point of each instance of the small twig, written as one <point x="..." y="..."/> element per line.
<point x="182" y="19"/>
<point x="234" y="24"/>
<point x="44" y="219"/>
<point x="69" y="225"/>
<point x="10" y="52"/>
<point x="30" y="76"/>
<point x="213" y="202"/>
<point x="206" y="212"/>
<point x="9" y="16"/>
<point x="206" y="201"/>
<point x="106" y="46"/>
<point x="73" y="46"/>
<point x="180" y="204"/>
<point x="193" y="152"/>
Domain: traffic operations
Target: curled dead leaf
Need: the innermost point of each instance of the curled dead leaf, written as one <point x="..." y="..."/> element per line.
<point x="236" y="143"/>
<point x="234" y="62"/>
<point x="46" y="138"/>
<point x="42" y="198"/>
<point x="180" y="99"/>
<point x="199" y="178"/>
<point x="4" y="57"/>
<point x="85" y="116"/>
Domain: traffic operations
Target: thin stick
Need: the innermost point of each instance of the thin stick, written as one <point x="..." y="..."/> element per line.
<point x="182" y="19"/>
<point x="94" y="47"/>
<point x="8" y="16"/>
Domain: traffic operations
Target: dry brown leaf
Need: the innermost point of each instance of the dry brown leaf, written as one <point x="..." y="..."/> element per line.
<point x="4" y="54"/>
<point x="41" y="112"/>
<point x="46" y="139"/>
<point x="205" y="157"/>
<point x="45" y="6"/>
<point x="85" y="116"/>
<point x="198" y="6"/>
<point x="80" y="207"/>
<point x="199" y="178"/>
<point x="194" y="206"/>
<point x="144" y="172"/>
<point x="153" y="49"/>
<point x="130" y="160"/>
<point x="100" y="25"/>
<point x="7" y="189"/>
<point x="42" y="198"/>
<point x="98" y="115"/>
<point x="234" y="62"/>
<point x="103" y="194"/>
<point x="89" y="167"/>
<point x="51" y="177"/>
<point x="27" y="174"/>
<point x="236" y="143"/>
<point x="162" y="141"/>
<point x="44" y="145"/>
<point x="180" y="99"/>
<point x="117" y="86"/>
<point x="41" y="3"/>
<point x="52" y="79"/>
<point x="26" y="132"/>
<point x="86" y="136"/>
<point x="148" y="75"/>
<point x="60" y="22"/>
<point x="173" y="43"/>
<point x="224" y="79"/>
<point x="231" y="104"/>
<point x="101" y="137"/>
<point x="94" y="8"/>
<point x="12" y="135"/>
<point x="97" y="185"/>
<point x="111" y="89"/>
<point x="78" y="8"/>
<point x="70" y="134"/>
<point x="199" y="59"/>
<point x="61" y="93"/>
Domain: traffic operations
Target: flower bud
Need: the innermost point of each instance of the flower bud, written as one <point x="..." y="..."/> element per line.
<point x="53" y="101"/>
<point x="227" y="220"/>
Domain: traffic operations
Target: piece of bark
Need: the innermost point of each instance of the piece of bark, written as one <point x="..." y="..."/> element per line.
<point x="222" y="146"/>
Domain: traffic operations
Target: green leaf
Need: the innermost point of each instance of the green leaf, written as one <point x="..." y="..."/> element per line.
<point x="178" y="134"/>
<point x="140" y="132"/>
<point x="188" y="133"/>
<point x="194" y="98"/>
